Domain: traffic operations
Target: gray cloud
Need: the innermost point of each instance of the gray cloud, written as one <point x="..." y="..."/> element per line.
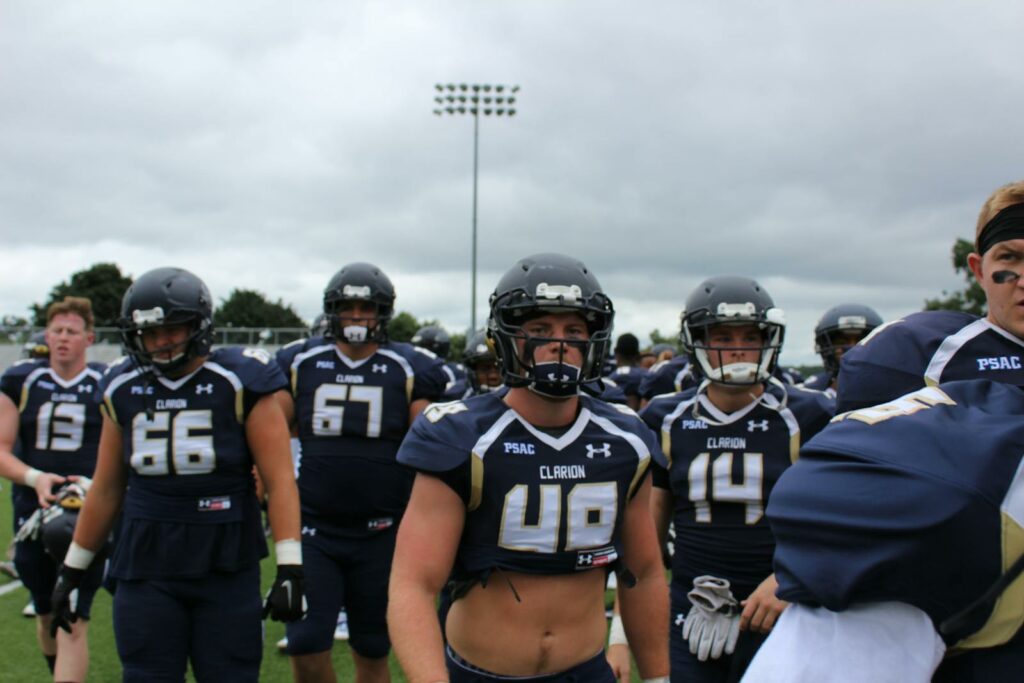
<point x="833" y="152"/>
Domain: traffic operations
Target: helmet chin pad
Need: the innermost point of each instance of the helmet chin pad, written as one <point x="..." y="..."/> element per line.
<point x="355" y="334"/>
<point x="738" y="373"/>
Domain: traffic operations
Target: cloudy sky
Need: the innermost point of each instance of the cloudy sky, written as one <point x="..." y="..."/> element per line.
<point x="834" y="151"/>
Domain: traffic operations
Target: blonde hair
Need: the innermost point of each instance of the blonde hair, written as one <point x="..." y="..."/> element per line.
<point x="78" y="305"/>
<point x="1007" y="195"/>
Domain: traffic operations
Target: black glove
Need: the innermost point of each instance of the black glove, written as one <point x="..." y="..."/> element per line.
<point x="68" y="580"/>
<point x="286" y="599"/>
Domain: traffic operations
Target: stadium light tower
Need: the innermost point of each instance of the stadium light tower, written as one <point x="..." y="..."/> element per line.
<point x="473" y="99"/>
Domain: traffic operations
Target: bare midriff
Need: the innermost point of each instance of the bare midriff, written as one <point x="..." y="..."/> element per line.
<point x="558" y="622"/>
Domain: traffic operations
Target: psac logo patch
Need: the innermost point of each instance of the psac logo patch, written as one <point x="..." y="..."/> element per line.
<point x="999" y="363"/>
<point x="519" y="448"/>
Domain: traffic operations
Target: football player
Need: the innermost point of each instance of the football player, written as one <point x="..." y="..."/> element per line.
<point x="627" y="373"/>
<point x="527" y="497"/>
<point x="353" y="396"/>
<point x="924" y="349"/>
<point x="182" y="427"/>
<point x="50" y="403"/>
<point x="726" y="442"/>
<point x="482" y="368"/>
<point x="433" y="338"/>
<point x="838" y="331"/>
<point x="900" y="534"/>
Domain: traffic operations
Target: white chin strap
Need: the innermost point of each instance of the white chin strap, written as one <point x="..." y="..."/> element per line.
<point x="355" y="334"/>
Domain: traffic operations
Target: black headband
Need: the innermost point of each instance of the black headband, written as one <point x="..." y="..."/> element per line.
<point x="1008" y="224"/>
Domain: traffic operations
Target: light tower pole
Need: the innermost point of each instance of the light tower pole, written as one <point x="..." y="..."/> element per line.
<point x="472" y="99"/>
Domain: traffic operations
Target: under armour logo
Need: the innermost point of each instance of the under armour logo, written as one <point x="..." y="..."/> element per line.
<point x="680" y="618"/>
<point x="585" y="558"/>
<point x="552" y="377"/>
<point x="379" y="368"/>
<point x="755" y="425"/>
<point x="308" y="531"/>
<point x="85" y="388"/>
<point x="605" y="450"/>
<point x="204" y="388"/>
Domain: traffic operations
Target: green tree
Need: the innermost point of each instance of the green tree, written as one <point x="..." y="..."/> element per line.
<point x="101" y="283"/>
<point x="249" y="308"/>
<point x="403" y="326"/>
<point x="659" y="338"/>
<point x="972" y="298"/>
<point x="458" y="347"/>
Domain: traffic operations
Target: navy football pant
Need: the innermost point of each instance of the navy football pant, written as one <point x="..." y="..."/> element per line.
<point x="594" y="670"/>
<point x="686" y="668"/>
<point x="38" y="571"/>
<point x="214" y="621"/>
<point x="352" y="572"/>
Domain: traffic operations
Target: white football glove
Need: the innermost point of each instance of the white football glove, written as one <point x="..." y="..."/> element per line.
<point x="713" y="623"/>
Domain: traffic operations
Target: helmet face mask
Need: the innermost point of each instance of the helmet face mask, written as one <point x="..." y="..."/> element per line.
<point x="733" y="301"/>
<point x="841" y="328"/>
<point x="357" y="282"/>
<point x="166" y="297"/>
<point x="535" y="287"/>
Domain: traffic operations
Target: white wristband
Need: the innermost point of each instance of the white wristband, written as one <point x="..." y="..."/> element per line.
<point x="617" y="634"/>
<point x="78" y="557"/>
<point x="288" y="551"/>
<point x="32" y="476"/>
<point x="656" y="679"/>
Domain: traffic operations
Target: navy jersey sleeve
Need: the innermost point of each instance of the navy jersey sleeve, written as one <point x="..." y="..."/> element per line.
<point x="891" y="361"/>
<point x="286" y="355"/>
<point x="14" y="378"/>
<point x="256" y="369"/>
<point x="660" y="379"/>
<point x="436" y="441"/>
<point x="430" y="378"/>
<point x="813" y="410"/>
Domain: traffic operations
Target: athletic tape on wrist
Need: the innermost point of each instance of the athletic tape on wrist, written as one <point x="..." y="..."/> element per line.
<point x="78" y="557"/>
<point x="617" y="633"/>
<point x="32" y="476"/>
<point x="288" y="551"/>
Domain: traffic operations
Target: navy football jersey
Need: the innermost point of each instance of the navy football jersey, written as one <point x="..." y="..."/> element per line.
<point x="668" y="376"/>
<point x="536" y="502"/>
<point x="190" y="508"/>
<point x="920" y="500"/>
<point x="629" y="378"/>
<point x="59" y="422"/>
<point x="721" y="471"/>
<point x="351" y="417"/>
<point x="924" y="349"/>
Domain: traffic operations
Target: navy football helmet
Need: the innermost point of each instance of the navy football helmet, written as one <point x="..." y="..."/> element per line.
<point x="359" y="282"/>
<point x="839" y="329"/>
<point x="36" y="346"/>
<point x="57" y="524"/>
<point x="726" y="300"/>
<point x="539" y="285"/>
<point x="477" y="355"/>
<point x="166" y="296"/>
<point x="433" y="338"/>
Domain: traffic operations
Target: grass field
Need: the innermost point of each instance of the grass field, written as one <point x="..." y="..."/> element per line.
<point x="21" y="662"/>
